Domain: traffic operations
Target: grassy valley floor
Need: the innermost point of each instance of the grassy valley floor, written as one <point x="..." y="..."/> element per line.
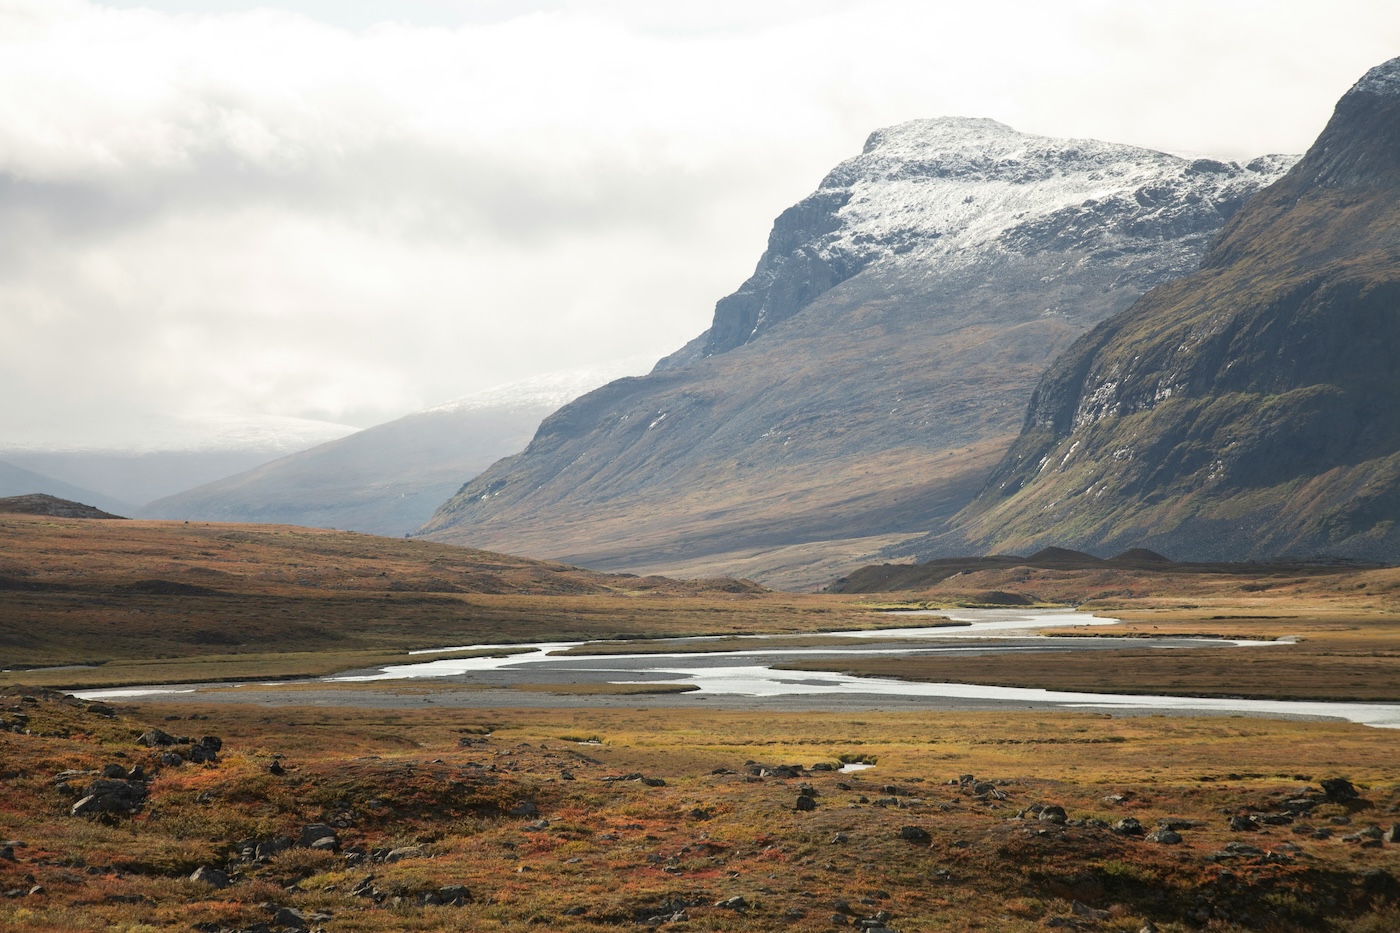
<point x="418" y="815"/>
<point x="624" y="819"/>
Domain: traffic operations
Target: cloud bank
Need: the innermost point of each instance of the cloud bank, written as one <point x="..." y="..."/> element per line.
<point x="275" y="212"/>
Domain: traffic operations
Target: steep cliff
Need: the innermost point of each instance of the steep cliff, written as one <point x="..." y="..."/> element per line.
<point x="1249" y="410"/>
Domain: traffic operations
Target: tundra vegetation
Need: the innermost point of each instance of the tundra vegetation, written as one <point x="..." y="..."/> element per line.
<point x="235" y="816"/>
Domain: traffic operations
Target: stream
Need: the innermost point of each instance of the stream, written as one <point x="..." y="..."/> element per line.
<point x="746" y="677"/>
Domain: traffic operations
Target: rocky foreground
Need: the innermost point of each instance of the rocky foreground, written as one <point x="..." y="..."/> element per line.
<point x="312" y="819"/>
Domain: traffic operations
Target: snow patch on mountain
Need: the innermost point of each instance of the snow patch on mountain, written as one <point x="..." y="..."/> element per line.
<point x="1382" y="80"/>
<point x="953" y="187"/>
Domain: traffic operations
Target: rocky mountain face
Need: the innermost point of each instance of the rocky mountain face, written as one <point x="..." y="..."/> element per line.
<point x="1249" y="410"/>
<point x="387" y="479"/>
<point x="858" y="387"/>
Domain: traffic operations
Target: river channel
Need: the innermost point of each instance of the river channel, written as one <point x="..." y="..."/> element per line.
<point x="747" y="677"/>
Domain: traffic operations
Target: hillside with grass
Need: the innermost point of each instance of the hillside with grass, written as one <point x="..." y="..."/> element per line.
<point x="1250" y="410"/>
<point x="160" y="601"/>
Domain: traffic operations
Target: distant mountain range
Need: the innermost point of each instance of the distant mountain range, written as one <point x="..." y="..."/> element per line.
<point x="1249" y="410"/>
<point x="131" y="465"/>
<point x="17" y="481"/>
<point x="387" y="479"/>
<point x="857" y="389"/>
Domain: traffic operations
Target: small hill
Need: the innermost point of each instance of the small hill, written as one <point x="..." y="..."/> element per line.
<point x="76" y="591"/>
<point x="19" y="481"/>
<point x="44" y="504"/>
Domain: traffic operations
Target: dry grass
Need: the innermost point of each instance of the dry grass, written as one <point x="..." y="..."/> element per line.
<point x="92" y="592"/>
<point x="613" y="853"/>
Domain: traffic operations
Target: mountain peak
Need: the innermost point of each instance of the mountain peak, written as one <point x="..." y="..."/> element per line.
<point x="1382" y="80"/>
<point x="959" y="190"/>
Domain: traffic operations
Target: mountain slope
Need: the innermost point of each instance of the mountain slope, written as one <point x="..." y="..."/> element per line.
<point x="1251" y="409"/>
<point x="136" y="462"/>
<point x="856" y="389"/>
<point x="386" y="479"/>
<point x="17" y="481"/>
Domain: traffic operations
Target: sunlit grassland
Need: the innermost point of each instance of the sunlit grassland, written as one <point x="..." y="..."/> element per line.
<point x="612" y="852"/>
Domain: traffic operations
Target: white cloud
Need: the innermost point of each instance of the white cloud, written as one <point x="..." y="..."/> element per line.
<point x="290" y="213"/>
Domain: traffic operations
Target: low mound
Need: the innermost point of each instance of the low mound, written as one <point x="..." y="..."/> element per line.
<point x="43" y="504"/>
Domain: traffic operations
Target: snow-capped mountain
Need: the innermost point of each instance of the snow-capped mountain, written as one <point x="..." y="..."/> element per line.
<point x="856" y="389"/>
<point x="955" y="191"/>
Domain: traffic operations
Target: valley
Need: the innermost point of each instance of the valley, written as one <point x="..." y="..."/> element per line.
<point x="967" y="341"/>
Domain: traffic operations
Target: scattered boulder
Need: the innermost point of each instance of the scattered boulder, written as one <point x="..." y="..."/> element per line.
<point x="737" y="902"/>
<point x="210" y="876"/>
<point x="404" y="852"/>
<point x="1339" y="790"/>
<point x="206" y="749"/>
<point x="1053" y="814"/>
<point x="319" y="836"/>
<point x="290" y="917"/>
<point x="155" y="738"/>
<point x="525" y="808"/>
<point x="914" y="834"/>
<point x="110" y="796"/>
<point x="1167" y="837"/>
<point x="806" y="804"/>
<point x="1128" y="826"/>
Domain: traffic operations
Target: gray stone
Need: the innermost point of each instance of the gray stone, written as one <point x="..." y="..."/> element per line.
<point x="1128" y="826"/>
<point x="313" y="832"/>
<point x="290" y="917"/>
<point x="1167" y="837"/>
<point x="1052" y="814"/>
<point x="210" y="876"/>
<point x="154" y="738"/>
<point x="454" y="895"/>
<point x="404" y="852"/>
<point x="914" y="834"/>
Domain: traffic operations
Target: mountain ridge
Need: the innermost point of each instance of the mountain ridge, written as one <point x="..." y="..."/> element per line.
<point x="1248" y="410"/>
<point x="857" y="388"/>
<point x="386" y="479"/>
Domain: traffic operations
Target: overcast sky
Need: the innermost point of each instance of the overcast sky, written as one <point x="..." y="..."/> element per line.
<point x="352" y="209"/>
